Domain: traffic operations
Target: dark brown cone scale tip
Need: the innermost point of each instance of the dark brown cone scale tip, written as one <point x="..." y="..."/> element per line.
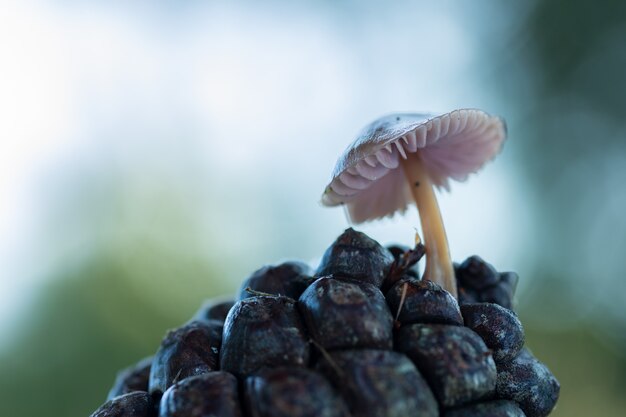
<point x="356" y="255"/>
<point x="464" y="295"/>
<point x="453" y="359"/>
<point x="424" y="302"/>
<point x="530" y="383"/>
<point x="499" y="327"/>
<point x="477" y="274"/>
<point x="497" y="408"/>
<point x="192" y="349"/>
<point x="398" y="252"/>
<point x="289" y="279"/>
<point x="344" y="313"/>
<point x="134" y="404"/>
<point x="212" y="394"/>
<point x="502" y="293"/>
<point x="379" y="383"/>
<point x="292" y="392"/>
<point x="214" y="309"/>
<point x="131" y="379"/>
<point x="404" y="265"/>
<point x="263" y="331"/>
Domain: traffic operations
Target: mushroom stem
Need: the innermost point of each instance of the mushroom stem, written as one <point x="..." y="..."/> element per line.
<point x="439" y="267"/>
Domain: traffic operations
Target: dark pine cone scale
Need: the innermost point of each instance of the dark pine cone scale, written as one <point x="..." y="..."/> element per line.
<point x="360" y="336"/>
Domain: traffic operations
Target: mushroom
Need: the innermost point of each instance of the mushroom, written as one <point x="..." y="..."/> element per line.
<point x="399" y="158"/>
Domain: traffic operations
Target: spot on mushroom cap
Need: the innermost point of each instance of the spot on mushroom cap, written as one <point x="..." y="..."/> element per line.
<point x="368" y="177"/>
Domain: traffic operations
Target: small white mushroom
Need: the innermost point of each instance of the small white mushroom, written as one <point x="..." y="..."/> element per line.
<point x="397" y="159"/>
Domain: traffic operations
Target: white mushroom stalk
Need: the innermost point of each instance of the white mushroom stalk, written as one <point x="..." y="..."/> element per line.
<point x="439" y="267"/>
<point x="399" y="159"/>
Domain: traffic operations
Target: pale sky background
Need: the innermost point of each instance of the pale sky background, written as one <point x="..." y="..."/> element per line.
<point x="239" y="109"/>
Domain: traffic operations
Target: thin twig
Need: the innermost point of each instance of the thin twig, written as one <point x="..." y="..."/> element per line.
<point x="328" y="357"/>
<point x="403" y="264"/>
<point x="258" y="293"/>
<point x="180" y="371"/>
<point x="418" y="238"/>
<point x="405" y="287"/>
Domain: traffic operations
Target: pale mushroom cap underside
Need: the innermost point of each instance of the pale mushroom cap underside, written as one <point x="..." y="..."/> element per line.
<point x="368" y="178"/>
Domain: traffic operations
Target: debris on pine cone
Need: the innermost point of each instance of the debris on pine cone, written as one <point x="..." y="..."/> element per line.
<point x="423" y="301"/>
<point x="289" y="279"/>
<point x="356" y="255"/>
<point x="192" y="349"/>
<point x="335" y="351"/>
<point x="264" y="331"/>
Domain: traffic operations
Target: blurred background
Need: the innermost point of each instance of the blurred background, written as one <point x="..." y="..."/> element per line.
<point x="153" y="154"/>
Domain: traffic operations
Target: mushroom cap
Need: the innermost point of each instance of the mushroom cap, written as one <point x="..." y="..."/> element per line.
<point x="368" y="178"/>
